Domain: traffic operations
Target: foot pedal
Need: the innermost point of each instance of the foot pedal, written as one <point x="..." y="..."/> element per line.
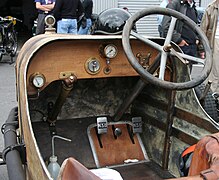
<point x="102" y="125"/>
<point x="137" y="124"/>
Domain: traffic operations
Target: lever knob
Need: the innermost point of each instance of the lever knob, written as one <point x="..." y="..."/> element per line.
<point x="117" y="132"/>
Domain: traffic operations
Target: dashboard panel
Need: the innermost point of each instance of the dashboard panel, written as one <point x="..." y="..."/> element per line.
<point x="83" y="58"/>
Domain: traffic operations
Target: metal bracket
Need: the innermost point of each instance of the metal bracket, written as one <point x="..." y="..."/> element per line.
<point x="21" y="148"/>
<point x="65" y="74"/>
<point x="6" y="124"/>
<point x="144" y="59"/>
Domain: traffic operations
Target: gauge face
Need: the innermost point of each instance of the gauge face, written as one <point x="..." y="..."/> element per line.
<point x="92" y="66"/>
<point x="110" y="51"/>
<point x="38" y="80"/>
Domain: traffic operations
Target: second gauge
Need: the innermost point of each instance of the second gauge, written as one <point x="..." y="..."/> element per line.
<point x="110" y="51"/>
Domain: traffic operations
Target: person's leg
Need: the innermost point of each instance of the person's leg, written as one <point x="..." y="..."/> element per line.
<point x="86" y="29"/>
<point x="214" y="75"/>
<point x="160" y="30"/>
<point x="62" y="26"/>
<point x="73" y="27"/>
<point x="89" y="24"/>
<point x="192" y="51"/>
<point x="40" y="29"/>
<point x="82" y="30"/>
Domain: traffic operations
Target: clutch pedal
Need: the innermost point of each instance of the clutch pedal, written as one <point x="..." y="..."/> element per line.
<point x="137" y="124"/>
<point x="102" y="125"/>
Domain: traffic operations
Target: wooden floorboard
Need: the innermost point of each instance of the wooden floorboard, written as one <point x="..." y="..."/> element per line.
<point x="147" y="170"/>
<point x="80" y="149"/>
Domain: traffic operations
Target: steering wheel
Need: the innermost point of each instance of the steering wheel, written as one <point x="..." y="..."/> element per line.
<point x="166" y="50"/>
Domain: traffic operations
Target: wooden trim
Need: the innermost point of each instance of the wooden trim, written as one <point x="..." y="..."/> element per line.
<point x="193" y="119"/>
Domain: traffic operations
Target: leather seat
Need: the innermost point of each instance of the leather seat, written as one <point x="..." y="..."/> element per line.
<point x="205" y="160"/>
<point x="72" y="169"/>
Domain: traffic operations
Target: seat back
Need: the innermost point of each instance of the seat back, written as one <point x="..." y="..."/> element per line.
<point x="72" y="169"/>
<point x="205" y="160"/>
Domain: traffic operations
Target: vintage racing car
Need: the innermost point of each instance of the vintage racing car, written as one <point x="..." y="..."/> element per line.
<point x="110" y="106"/>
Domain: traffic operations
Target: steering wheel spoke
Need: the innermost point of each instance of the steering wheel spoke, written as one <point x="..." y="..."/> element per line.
<point x="191" y="58"/>
<point x="167" y="50"/>
<point x="163" y="61"/>
<point x="147" y="41"/>
<point x="170" y="31"/>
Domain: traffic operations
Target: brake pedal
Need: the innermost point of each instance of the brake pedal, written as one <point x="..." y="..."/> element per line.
<point x="102" y="125"/>
<point x="137" y="124"/>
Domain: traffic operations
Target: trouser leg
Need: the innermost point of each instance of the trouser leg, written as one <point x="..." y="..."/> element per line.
<point x="214" y="75"/>
<point x="40" y="29"/>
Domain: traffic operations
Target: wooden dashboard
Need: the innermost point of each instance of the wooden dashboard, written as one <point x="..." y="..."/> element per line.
<point x="58" y="59"/>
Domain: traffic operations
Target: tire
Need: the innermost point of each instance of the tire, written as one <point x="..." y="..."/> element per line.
<point x="210" y="105"/>
<point x="13" y="44"/>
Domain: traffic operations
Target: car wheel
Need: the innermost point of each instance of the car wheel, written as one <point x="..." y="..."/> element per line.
<point x="209" y="104"/>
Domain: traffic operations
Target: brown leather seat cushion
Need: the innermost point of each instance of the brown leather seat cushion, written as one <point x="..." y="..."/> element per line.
<point x="71" y="169"/>
<point x="205" y="160"/>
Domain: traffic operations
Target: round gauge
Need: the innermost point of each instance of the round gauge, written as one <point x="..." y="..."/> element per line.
<point x="92" y="66"/>
<point x="110" y="51"/>
<point x="38" y="80"/>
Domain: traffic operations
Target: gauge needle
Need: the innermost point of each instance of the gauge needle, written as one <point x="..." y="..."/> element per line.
<point x="37" y="82"/>
<point x="109" y="51"/>
<point x="94" y="65"/>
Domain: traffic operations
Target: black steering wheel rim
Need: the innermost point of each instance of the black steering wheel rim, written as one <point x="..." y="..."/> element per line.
<point x="145" y="74"/>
